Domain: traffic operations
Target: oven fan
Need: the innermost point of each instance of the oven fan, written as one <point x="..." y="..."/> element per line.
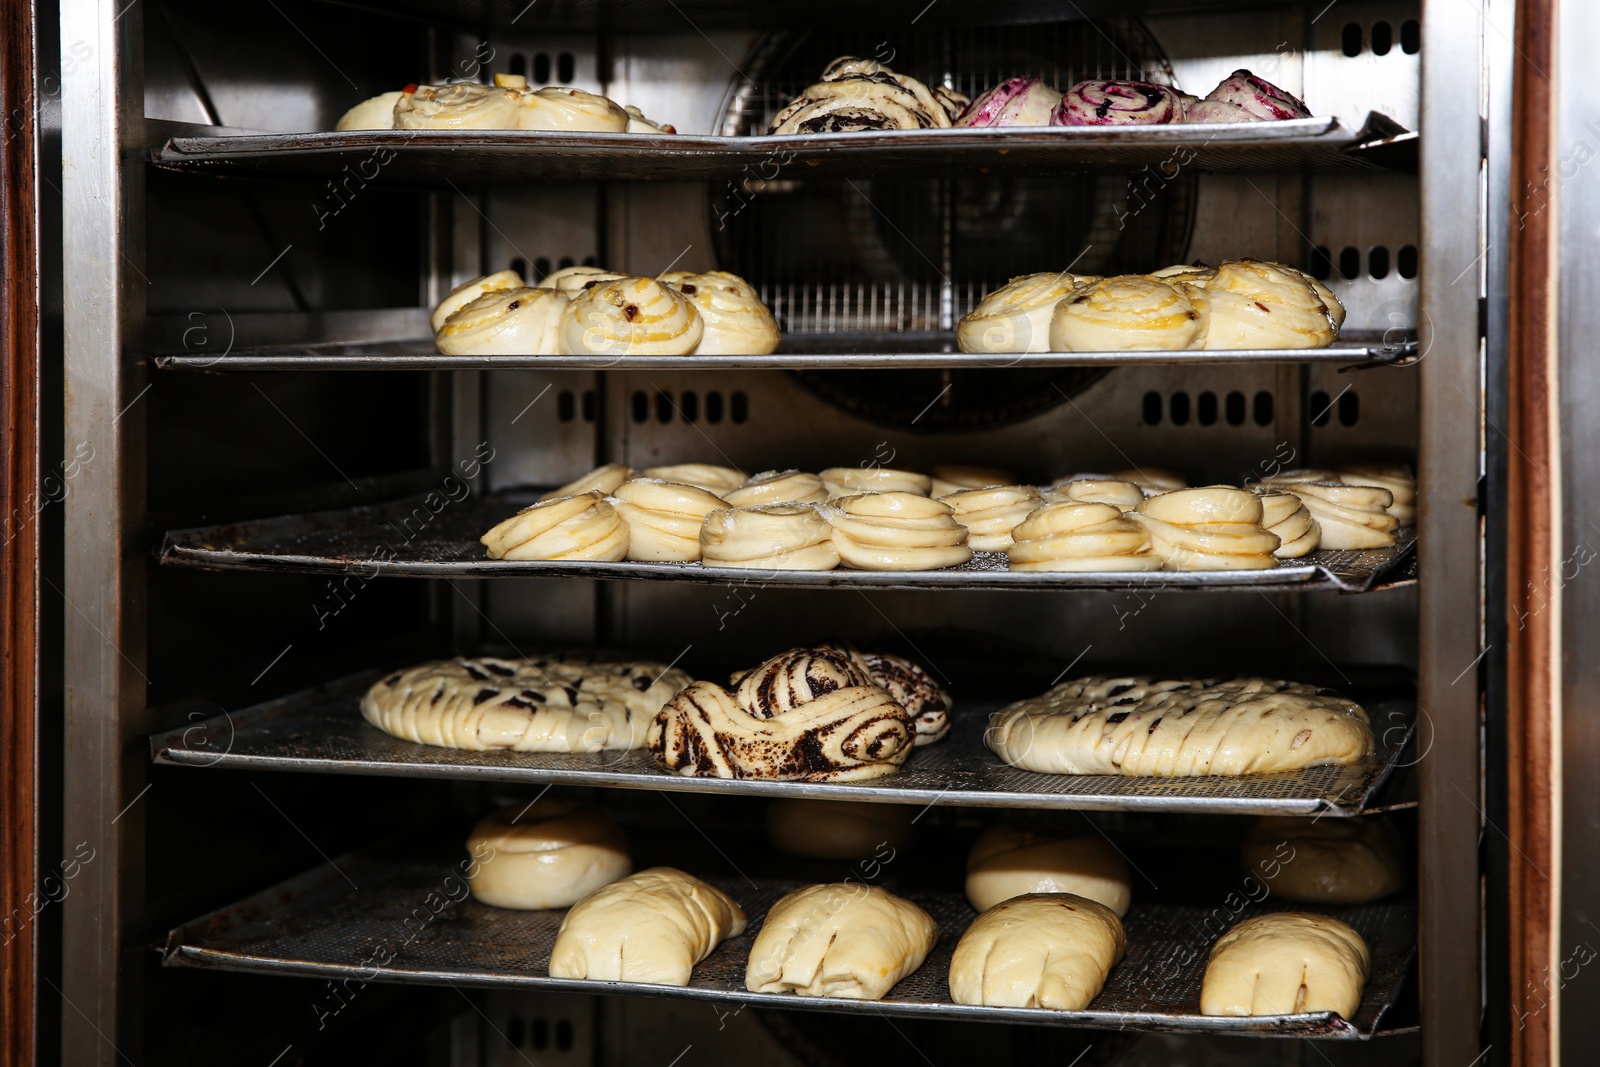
<point x="902" y="258"/>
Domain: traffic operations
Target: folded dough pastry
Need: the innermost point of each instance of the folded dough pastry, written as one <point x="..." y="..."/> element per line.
<point x="991" y="514"/>
<point x="789" y="537"/>
<point x="1015" y="318"/>
<point x="1043" y="950"/>
<point x="707" y="476"/>
<point x="1215" y="527"/>
<point x="897" y="532"/>
<point x="736" y="321"/>
<point x="953" y="477"/>
<point x="778" y="487"/>
<point x="565" y="110"/>
<point x="1285" y="516"/>
<point x="1398" y="479"/>
<point x="631" y="317"/>
<point x="1283" y="964"/>
<point x="374" y="114"/>
<point x="1068" y="536"/>
<point x="663" y="518"/>
<point x="548" y="854"/>
<point x="579" y="527"/>
<point x="1117" y="103"/>
<point x="1126" y="313"/>
<point x="1141" y="727"/>
<point x="861" y="94"/>
<point x="1014" y="102"/>
<point x="1152" y="480"/>
<point x="467" y="292"/>
<point x="1095" y="489"/>
<point x="1258" y="97"/>
<point x="650" y="927"/>
<point x="1326" y="861"/>
<point x="603" y="480"/>
<point x="505" y="322"/>
<point x="838" y="829"/>
<point x="848" y="481"/>
<point x="1006" y="862"/>
<point x="846" y="939"/>
<point x="1251" y="304"/>
<point x="1349" y="516"/>
<point x="546" y="704"/>
<point x="458" y="106"/>
<point x="1204" y="111"/>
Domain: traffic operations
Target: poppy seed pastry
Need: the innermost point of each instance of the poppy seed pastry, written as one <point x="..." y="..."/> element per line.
<point x="1286" y="963"/>
<point x="855" y="95"/>
<point x="1042" y="950"/>
<point x="548" y="854"/>
<point x="650" y="927"/>
<point x="1006" y="862"/>
<point x="846" y="940"/>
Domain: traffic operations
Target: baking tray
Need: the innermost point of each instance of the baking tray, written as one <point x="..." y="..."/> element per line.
<point x="408" y="538"/>
<point x="445" y="157"/>
<point x="340" y="920"/>
<point x="841" y="351"/>
<point x="321" y="730"/>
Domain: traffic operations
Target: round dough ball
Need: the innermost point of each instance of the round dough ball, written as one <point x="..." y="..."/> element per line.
<point x="374" y="114"/>
<point x="837" y="829"/>
<point x="1006" y="862"/>
<point x="1327" y="861"/>
<point x="548" y="854"/>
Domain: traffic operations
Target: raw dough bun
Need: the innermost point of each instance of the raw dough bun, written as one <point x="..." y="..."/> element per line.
<point x="564" y="110"/>
<point x="1284" y="514"/>
<point x="1006" y="862"/>
<point x="1202" y="111"/>
<point x="1142" y="727"/>
<point x="837" y="829"/>
<point x="548" y="854"/>
<point x="707" y="476"/>
<point x="849" y="481"/>
<point x="737" y="322"/>
<point x="579" y="527"/>
<point x="861" y="94"/>
<point x="548" y="704"/>
<point x="1349" y="516"/>
<point x="1216" y="527"/>
<point x="663" y="518"/>
<point x="1249" y="304"/>
<point x="1286" y="963"/>
<point x="650" y="927"/>
<point x="603" y="480"/>
<point x="374" y="114"/>
<point x="1259" y="97"/>
<point x="1326" y="861"/>
<point x="1399" y="480"/>
<point x="847" y="940"/>
<point x="631" y="317"/>
<point x="1015" y="318"/>
<point x="991" y="514"/>
<point x="897" y="532"/>
<point x="576" y="279"/>
<point x="1095" y="489"/>
<point x="1128" y="313"/>
<point x="1080" y="538"/>
<point x="1043" y="950"/>
<point x="791" y="537"/>
<point x="467" y="292"/>
<point x="506" y="322"/>
<point x="952" y="478"/>
<point x="1152" y="480"/>
<point x="458" y="106"/>
<point x="778" y="487"/>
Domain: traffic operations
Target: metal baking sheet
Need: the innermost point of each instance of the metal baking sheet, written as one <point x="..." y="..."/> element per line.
<point x="321" y="730"/>
<point x="407" y="538"/>
<point x="434" y="157"/>
<point x="338" y="922"/>
<point x="842" y="351"/>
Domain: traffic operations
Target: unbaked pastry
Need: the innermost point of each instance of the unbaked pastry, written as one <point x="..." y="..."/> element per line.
<point x="547" y="704"/>
<point x="788" y="537"/>
<point x="639" y="123"/>
<point x="861" y="94"/>
<point x="897" y="531"/>
<point x="991" y="514"/>
<point x="1043" y="950"/>
<point x="953" y="477"/>
<point x="458" y="106"/>
<point x="1251" y="304"/>
<point x="707" y="476"/>
<point x="925" y="700"/>
<point x="838" y="829"/>
<point x="1286" y="963"/>
<point x="603" y="480"/>
<point x="1014" y="102"/>
<point x="1006" y="862"/>
<point x="1215" y="527"/>
<point x="778" y="487"/>
<point x="579" y="527"/>
<point x="467" y="292"/>
<point x="1283" y="513"/>
<point x="1398" y="479"/>
<point x="1141" y="727"/>
<point x="1126" y="313"/>
<point x="847" y="940"/>
<point x="505" y="322"/>
<point x="848" y="481"/>
<point x="374" y="114"/>
<point x="1326" y="861"/>
<point x="736" y="321"/>
<point x="565" y="110"/>
<point x="1259" y="97"/>
<point x="1204" y="111"/>
<point x="663" y="518"/>
<point x="1116" y="103"/>
<point x="1152" y="480"/>
<point x="1015" y="318"/>
<point x="1095" y="489"/>
<point x="1349" y="516"/>
<point x="1068" y="536"/>
<point x="576" y="278"/>
<point x="631" y="317"/>
<point x="650" y="927"/>
<point x="548" y="854"/>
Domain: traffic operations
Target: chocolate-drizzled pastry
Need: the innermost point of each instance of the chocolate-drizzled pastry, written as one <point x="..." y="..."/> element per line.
<point x="1112" y="103"/>
<point x="860" y="94"/>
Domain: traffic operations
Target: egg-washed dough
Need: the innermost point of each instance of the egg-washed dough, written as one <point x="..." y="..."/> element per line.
<point x="505" y="322"/>
<point x="1095" y="489"/>
<point x="631" y="317"/>
<point x="458" y="106"/>
<point x="736" y="321"/>
<point x="1399" y="480"/>
<point x="563" y="110"/>
<point x="1015" y="318"/>
<point x="603" y="480"/>
<point x="778" y="487"/>
<point x="579" y="527"/>
<point x="850" y="481"/>
<point x="1326" y="861"/>
<point x="1215" y="527"/>
<point x="1286" y="516"/>
<point x="578" y="277"/>
<point x="1250" y="304"/>
<point x="1283" y="964"/>
<point x="847" y="940"/>
<point x="1152" y="480"/>
<point x="707" y="476"/>
<point x="1126" y="313"/>
<point x="548" y="854"/>
<point x="953" y="477"/>
<point x="991" y="514"/>
<point x="1043" y="950"/>
<point x="897" y="531"/>
<point x="1142" y="727"/>
<point x="838" y="829"/>
<point x="1006" y="862"/>
<point x="650" y="927"/>
<point x="663" y="518"/>
<point x="787" y="537"/>
<point x="467" y="292"/>
<point x="1348" y="516"/>
<point x="1067" y="536"/>
<point x="546" y="704"/>
<point x="374" y="114"/>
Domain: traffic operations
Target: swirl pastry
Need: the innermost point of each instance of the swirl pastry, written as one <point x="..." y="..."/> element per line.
<point x="1015" y="318"/>
<point x="1286" y="963"/>
<point x="1081" y="538"/>
<point x="1124" y="314"/>
<point x="953" y="101"/>
<point x="631" y="317"/>
<point x="778" y="487"/>
<point x="467" y="292"/>
<point x="569" y="111"/>
<point x="787" y="537"/>
<point x="848" y="481"/>
<point x="952" y="478"/>
<point x="1326" y="861"/>
<point x="650" y="927"/>
<point x="847" y="940"/>
<point x="736" y="321"/>
<point x="897" y="532"/>
<point x="860" y="94"/>
<point x="1014" y="102"/>
<point x="1283" y="514"/>
<point x="458" y="106"/>
<point x="1260" y="98"/>
<point x="1043" y="950"/>
<point x="1140" y="727"/>
<point x="1095" y="489"/>
<point x="548" y="854"/>
<point x="845" y="734"/>
<point x="663" y="518"/>
<point x="603" y="480"/>
<point x="1350" y="516"/>
<point x="1006" y="862"/>
<point x="1399" y="480"/>
<point x="579" y="527"/>
<point x="838" y="829"/>
<point x="577" y="278"/>
<point x="925" y="700"/>
<point x="991" y="514"/>
<point x="1249" y="304"/>
<point x="707" y="476"/>
<point x="505" y="322"/>
<point x="374" y="114"/>
<point x="798" y="676"/>
<point x="1204" y="111"/>
<point x="1112" y="103"/>
<point x="1216" y="527"/>
<point x="550" y="704"/>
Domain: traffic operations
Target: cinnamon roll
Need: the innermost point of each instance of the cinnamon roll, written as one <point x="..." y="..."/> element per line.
<point x="577" y="278"/>
<point x="1251" y="304"/>
<point x="467" y="292"/>
<point x="736" y="321"/>
<point x="1115" y="103"/>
